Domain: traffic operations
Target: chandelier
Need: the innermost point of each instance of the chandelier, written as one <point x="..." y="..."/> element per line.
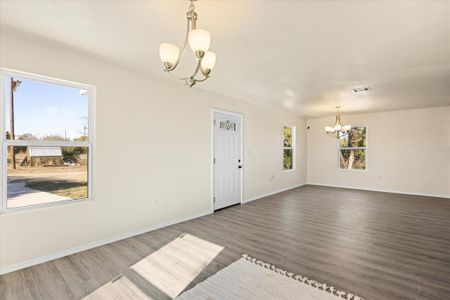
<point x="338" y="130"/>
<point x="199" y="41"/>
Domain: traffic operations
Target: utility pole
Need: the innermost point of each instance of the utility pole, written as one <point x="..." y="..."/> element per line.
<point x="14" y="85"/>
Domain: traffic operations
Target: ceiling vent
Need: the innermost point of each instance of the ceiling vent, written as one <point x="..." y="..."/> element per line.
<point x="361" y="90"/>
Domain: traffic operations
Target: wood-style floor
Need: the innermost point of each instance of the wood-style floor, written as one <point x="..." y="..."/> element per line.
<point x="377" y="245"/>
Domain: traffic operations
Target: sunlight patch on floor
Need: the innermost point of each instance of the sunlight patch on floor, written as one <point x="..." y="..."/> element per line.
<point x="170" y="269"/>
<point x="175" y="265"/>
<point x="121" y="288"/>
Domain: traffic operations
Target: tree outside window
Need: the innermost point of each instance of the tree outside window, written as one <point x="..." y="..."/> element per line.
<point x="288" y="147"/>
<point x="352" y="149"/>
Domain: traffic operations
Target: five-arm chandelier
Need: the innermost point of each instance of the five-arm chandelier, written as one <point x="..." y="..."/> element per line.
<point x="338" y="130"/>
<point x="199" y="40"/>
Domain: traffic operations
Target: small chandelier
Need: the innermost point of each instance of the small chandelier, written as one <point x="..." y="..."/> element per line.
<point x="338" y="130"/>
<point x="199" y="40"/>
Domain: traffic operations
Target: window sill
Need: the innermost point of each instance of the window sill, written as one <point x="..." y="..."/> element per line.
<point x="44" y="205"/>
<point x="350" y="170"/>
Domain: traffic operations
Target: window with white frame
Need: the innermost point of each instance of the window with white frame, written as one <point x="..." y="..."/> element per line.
<point x="46" y="140"/>
<point x="353" y="149"/>
<point x="288" y="147"/>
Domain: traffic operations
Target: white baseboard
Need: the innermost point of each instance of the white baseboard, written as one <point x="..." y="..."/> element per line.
<point x="379" y="190"/>
<point x="59" y="254"/>
<point x="273" y="193"/>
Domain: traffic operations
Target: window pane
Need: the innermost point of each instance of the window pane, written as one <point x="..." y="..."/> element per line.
<point x="227" y="125"/>
<point x="287" y="159"/>
<point x="287" y="132"/>
<point x="45" y="111"/>
<point x="46" y="174"/>
<point x="353" y="159"/>
<point x="355" y="138"/>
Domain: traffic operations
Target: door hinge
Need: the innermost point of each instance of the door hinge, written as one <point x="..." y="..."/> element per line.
<point x="214" y="122"/>
<point x="214" y="160"/>
<point x="214" y="199"/>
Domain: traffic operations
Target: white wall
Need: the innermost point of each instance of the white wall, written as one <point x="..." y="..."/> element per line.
<point x="408" y="152"/>
<point x="152" y="152"/>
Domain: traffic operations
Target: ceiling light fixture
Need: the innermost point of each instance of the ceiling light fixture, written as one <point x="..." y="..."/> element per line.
<point x="338" y="130"/>
<point x="361" y="90"/>
<point x="199" y="41"/>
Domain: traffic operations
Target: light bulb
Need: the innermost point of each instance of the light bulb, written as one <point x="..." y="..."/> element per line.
<point x="168" y="54"/>
<point x="347" y="127"/>
<point x="199" y="40"/>
<point x="329" y="129"/>
<point x="208" y="61"/>
<point x="338" y="127"/>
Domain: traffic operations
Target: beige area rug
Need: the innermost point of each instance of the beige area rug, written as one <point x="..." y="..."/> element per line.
<point x="252" y="279"/>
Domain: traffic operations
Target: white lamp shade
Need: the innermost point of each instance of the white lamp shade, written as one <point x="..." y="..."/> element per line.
<point x="329" y="129"/>
<point x="347" y="127"/>
<point x="338" y="127"/>
<point x="199" y="40"/>
<point x="209" y="60"/>
<point x="168" y="53"/>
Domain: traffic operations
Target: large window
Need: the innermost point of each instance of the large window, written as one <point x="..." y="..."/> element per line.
<point x="353" y="149"/>
<point x="46" y="139"/>
<point x="289" y="148"/>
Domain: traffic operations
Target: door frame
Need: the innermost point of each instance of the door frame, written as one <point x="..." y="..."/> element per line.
<point x="241" y="117"/>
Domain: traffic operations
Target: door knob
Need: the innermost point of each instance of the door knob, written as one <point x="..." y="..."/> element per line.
<point x="240" y="166"/>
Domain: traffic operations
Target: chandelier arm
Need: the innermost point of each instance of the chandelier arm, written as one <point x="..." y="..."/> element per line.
<point x="205" y="75"/>
<point x="197" y="68"/>
<point x="180" y="55"/>
<point x="176" y="77"/>
<point x="201" y="80"/>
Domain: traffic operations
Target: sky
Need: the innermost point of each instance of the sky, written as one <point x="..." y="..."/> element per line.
<point x="43" y="108"/>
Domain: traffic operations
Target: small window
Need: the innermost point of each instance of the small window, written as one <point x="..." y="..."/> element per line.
<point x="352" y="149"/>
<point x="227" y="125"/>
<point x="47" y="137"/>
<point x="288" y="148"/>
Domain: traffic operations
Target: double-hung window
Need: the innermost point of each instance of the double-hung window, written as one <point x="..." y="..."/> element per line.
<point x="352" y="149"/>
<point x="46" y="140"/>
<point x="288" y="148"/>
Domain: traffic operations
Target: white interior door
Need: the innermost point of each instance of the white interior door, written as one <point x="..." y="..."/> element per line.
<point x="227" y="159"/>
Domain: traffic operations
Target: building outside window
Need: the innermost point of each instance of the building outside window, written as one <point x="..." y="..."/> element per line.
<point x="46" y="139"/>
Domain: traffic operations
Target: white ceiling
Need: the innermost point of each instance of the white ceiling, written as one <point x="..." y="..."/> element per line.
<point x="301" y="55"/>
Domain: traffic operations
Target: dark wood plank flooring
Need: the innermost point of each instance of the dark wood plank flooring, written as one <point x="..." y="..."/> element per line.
<point x="377" y="245"/>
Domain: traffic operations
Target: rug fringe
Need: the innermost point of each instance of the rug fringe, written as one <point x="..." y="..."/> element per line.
<point x="321" y="286"/>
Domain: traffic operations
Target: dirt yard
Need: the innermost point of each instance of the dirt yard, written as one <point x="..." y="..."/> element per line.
<point x="66" y="181"/>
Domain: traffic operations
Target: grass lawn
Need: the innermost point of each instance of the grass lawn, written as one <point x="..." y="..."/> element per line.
<point x="70" y="182"/>
<point x="70" y="189"/>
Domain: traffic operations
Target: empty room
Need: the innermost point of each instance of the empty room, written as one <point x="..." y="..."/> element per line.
<point x="224" y="150"/>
